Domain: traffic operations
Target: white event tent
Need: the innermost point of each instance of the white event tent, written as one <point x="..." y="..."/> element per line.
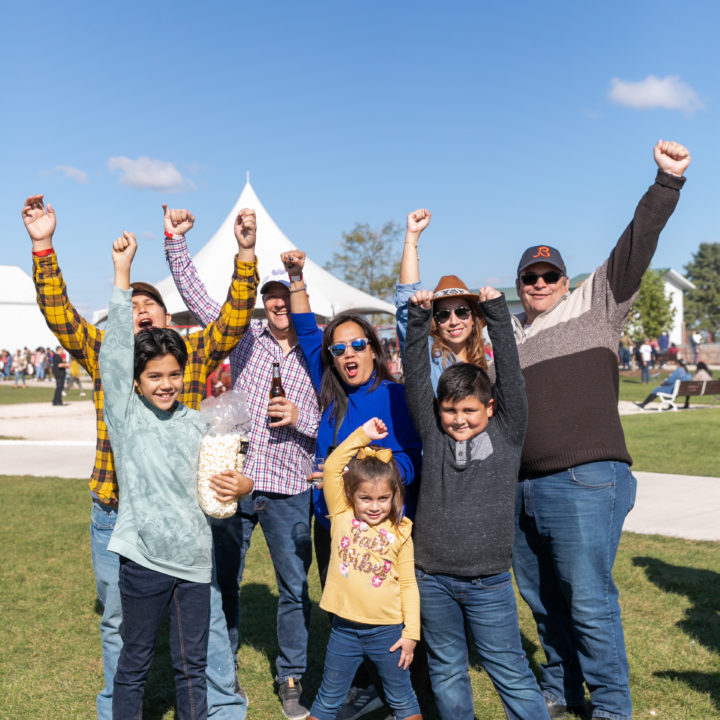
<point x="328" y="295"/>
<point x="21" y="322"/>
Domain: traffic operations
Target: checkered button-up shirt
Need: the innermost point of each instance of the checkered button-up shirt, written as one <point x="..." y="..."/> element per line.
<point x="206" y="348"/>
<point x="279" y="458"/>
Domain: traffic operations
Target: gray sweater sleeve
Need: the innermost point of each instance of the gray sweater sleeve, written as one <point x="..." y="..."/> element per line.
<point x="511" y="410"/>
<point x="418" y="385"/>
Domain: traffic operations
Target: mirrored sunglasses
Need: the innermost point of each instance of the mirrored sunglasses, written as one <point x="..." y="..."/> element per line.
<point x="358" y="345"/>
<point x="461" y="313"/>
<point x="550" y="277"/>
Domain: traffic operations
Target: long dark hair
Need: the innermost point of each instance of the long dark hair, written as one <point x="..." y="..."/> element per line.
<point x="475" y="347"/>
<point x="332" y="391"/>
<point x="158" y="342"/>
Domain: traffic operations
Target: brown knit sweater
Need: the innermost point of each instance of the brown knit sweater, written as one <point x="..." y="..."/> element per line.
<point x="568" y="354"/>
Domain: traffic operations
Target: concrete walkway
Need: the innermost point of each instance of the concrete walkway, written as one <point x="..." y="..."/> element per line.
<point x="60" y="441"/>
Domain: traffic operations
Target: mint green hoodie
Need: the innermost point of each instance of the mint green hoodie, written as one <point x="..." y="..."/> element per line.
<point x="160" y="524"/>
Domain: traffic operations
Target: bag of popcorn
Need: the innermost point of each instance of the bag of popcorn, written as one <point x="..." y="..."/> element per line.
<point x="224" y="447"/>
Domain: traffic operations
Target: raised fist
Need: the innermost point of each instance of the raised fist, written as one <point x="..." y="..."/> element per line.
<point x="488" y="293"/>
<point x="178" y="221"/>
<point x="671" y="157"/>
<point x="39" y="223"/>
<point x="423" y="298"/>
<point x="418" y="220"/>
<point x="294" y="261"/>
<point x="124" y="249"/>
<point x="245" y="229"/>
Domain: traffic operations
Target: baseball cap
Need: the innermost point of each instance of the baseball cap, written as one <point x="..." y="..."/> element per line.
<point x="143" y="288"/>
<point x="544" y="254"/>
<point x="278" y="275"/>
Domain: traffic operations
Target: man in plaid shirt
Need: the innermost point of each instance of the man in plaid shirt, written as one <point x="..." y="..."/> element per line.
<point x="206" y="349"/>
<point x="282" y="442"/>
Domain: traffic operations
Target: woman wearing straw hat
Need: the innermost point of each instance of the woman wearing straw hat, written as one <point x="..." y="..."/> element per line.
<point x="456" y="334"/>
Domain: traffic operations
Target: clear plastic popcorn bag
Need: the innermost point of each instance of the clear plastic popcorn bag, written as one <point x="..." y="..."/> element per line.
<point x="224" y="447"/>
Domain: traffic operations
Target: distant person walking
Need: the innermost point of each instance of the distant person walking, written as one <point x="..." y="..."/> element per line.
<point x="59" y="366"/>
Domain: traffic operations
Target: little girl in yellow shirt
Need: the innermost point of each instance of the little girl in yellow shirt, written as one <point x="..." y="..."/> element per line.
<point x="370" y="589"/>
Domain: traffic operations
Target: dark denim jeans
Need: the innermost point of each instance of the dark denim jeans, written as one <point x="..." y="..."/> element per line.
<point x="285" y="521"/>
<point x="146" y="595"/>
<point x="568" y="526"/>
<point x="349" y="643"/>
<point x="487" y="606"/>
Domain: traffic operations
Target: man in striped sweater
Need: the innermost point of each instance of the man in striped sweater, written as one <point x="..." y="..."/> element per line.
<point x="575" y="482"/>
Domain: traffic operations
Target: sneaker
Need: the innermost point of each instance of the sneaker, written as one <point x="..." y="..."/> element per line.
<point x="560" y="711"/>
<point x="294" y="705"/>
<point x="359" y="702"/>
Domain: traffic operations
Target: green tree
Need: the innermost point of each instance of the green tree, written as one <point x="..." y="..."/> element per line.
<point x="702" y="305"/>
<point x="368" y="259"/>
<point x="652" y="312"/>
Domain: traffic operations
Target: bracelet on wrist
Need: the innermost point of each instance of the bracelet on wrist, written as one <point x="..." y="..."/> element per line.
<point x="43" y="253"/>
<point x="295" y="278"/>
<point x="173" y="236"/>
<point x="302" y="288"/>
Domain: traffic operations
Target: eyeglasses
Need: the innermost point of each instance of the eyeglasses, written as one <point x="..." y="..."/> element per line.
<point x="461" y="313"/>
<point x="550" y="277"/>
<point x="358" y="345"/>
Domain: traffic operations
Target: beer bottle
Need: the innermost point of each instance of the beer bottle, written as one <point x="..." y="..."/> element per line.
<point x="276" y="388"/>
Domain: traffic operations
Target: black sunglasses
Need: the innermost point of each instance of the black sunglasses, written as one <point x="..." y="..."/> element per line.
<point x="358" y="345"/>
<point x="461" y="313"/>
<point x="550" y="277"/>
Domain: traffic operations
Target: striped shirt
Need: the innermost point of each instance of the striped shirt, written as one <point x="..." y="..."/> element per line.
<point x="279" y="458"/>
<point x="206" y="349"/>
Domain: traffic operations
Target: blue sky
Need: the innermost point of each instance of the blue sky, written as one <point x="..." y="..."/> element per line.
<point x="514" y="123"/>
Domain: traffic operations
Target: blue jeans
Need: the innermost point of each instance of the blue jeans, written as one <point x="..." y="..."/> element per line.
<point x="568" y="526"/>
<point x="349" y="643"/>
<point x="146" y="594"/>
<point x="223" y="702"/>
<point x="645" y="373"/>
<point x="285" y="521"/>
<point x="487" y="606"/>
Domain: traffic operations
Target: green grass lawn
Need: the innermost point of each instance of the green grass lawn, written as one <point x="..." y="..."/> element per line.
<point x="50" y="663"/>
<point x="40" y="392"/>
<point x="687" y="443"/>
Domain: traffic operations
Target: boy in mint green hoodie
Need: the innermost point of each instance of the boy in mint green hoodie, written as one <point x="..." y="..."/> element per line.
<point x="162" y="536"/>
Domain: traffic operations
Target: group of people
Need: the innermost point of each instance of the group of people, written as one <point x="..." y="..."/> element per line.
<point x="42" y="363"/>
<point x="423" y="494"/>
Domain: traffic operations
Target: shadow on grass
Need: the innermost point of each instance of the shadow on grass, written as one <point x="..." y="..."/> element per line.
<point x="258" y="628"/>
<point x="702" y="619"/>
<point x="159" y="692"/>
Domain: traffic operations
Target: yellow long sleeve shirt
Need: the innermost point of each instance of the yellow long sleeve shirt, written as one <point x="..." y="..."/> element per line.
<point x="206" y="349"/>
<point x="371" y="576"/>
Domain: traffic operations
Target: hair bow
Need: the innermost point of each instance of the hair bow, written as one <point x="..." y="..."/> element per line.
<point x="382" y="454"/>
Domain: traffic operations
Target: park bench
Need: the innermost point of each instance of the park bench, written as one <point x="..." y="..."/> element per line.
<point x="687" y="388"/>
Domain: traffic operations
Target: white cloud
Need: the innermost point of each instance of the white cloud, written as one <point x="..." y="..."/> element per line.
<point x="147" y="173"/>
<point x="669" y="92"/>
<point x="70" y="172"/>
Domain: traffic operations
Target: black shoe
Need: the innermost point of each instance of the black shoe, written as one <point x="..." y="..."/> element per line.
<point x="639" y="405"/>
<point x="294" y="705"/>
<point x="560" y="711"/>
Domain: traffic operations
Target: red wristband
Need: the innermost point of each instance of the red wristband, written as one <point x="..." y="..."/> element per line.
<point x="173" y="236"/>
<point x="43" y="253"/>
<point x="295" y="278"/>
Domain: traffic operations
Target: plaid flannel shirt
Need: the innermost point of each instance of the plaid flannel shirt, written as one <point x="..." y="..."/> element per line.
<point x="280" y="458"/>
<point x="206" y="349"/>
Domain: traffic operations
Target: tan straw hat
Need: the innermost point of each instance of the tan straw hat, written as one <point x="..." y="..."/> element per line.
<point x="452" y="286"/>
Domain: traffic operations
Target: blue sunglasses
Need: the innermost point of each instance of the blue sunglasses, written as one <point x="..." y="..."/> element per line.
<point x="358" y="345"/>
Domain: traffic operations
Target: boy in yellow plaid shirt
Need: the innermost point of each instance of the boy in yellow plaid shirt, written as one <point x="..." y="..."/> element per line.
<point x="206" y="349"/>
